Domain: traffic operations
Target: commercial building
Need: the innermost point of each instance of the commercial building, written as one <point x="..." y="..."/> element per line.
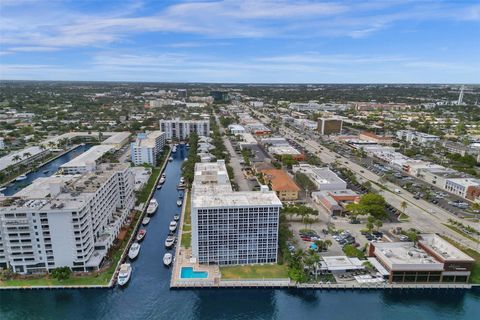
<point x="65" y="220"/>
<point x="283" y="185"/>
<point x="236" y="129"/>
<point x="416" y="136"/>
<point x="146" y="148"/>
<point x="228" y="227"/>
<point x="221" y="96"/>
<point x="310" y="106"/>
<point x="328" y="126"/>
<point x="467" y="188"/>
<point x="372" y="137"/>
<point x="181" y="129"/>
<point x="87" y="161"/>
<point x="334" y="201"/>
<point x="432" y="260"/>
<point x="323" y="178"/>
<point x="286" y="151"/>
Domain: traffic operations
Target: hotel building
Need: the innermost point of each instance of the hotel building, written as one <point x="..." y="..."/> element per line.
<point x="228" y="227"/>
<point x="146" y="148"/>
<point x="181" y="129"/>
<point x="65" y="220"/>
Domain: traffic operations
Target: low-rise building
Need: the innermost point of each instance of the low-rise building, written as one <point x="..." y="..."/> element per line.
<point x="87" y="161"/>
<point x="369" y="136"/>
<point x="411" y="136"/>
<point x="118" y="139"/>
<point x="283" y="185"/>
<point x="467" y="188"/>
<point x="334" y="201"/>
<point x="432" y="260"/>
<point x="236" y="129"/>
<point x="146" y="148"/>
<point x="323" y="178"/>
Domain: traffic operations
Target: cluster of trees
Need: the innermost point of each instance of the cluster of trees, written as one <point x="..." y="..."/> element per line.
<point x="306" y="214"/>
<point x="61" y="273"/>
<point x="370" y="204"/>
<point x="188" y="167"/>
<point x="286" y="159"/>
<point x="226" y="121"/>
<point x="304" y="181"/>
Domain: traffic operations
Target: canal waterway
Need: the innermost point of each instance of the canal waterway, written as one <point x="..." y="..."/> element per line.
<point x="46" y="170"/>
<point x="148" y="295"/>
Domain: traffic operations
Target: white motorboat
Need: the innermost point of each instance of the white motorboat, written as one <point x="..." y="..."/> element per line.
<point x="170" y="241"/>
<point x="176" y="217"/>
<point x="179" y="202"/>
<point x="124" y="274"/>
<point x="181" y="186"/>
<point x="152" y="207"/>
<point x="134" y="250"/>
<point x="173" y="226"/>
<point x="162" y="181"/>
<point x="185" y="160"/>
<point x="174" y="149"/>
<point x="159" y="186"/>
<point x="3" y="189"/>
<point x="167" y="259"/>
<point x="21" y="177"/>
<point x="187" y="145"/>
<point x="170" y="159"/>
<point x="141" y="234"/>
<point x="182" y="180"/>
<point x="145" y="221"/>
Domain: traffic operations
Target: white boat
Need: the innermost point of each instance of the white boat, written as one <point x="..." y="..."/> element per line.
<point x="3" y="189"/>
<point x="141" y="234"/>
<point x="179" y="202"/>
<point x="176" y="217"/>
<point x="145" y="221"/>
<point x="187" y="145"/>
<point x="124" y="274"/>
<point x="185" y="160"/>
<point x="174" y="149"/>
<point x="134" y="250"/>
<point x="152" y="207"/>
<point x="159" y="186"/>
<point x="167" y="259"/>
<point x="21" y="178"/>
<point x="162" y="181"/>
<point x="170" y="241"/>
<point x="182" y="180"/>
<point x="173" y="226"/>
<point x="181" y="186"/>
<point x="170" y="159"/>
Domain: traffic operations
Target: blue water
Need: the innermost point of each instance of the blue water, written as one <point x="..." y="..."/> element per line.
<point x="52" y="167"/>
<point x="148" y="296"/>
<point x="188" y="273"/>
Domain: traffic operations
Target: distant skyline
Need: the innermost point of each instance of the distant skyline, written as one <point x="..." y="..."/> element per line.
<point x="397" y="41"/>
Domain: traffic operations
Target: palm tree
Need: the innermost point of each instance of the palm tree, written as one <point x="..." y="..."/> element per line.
<point x="16" y="158"/>
<point x="52" y="144"/>
<point x="404" y="206"/>
<point x="27" y="155"/>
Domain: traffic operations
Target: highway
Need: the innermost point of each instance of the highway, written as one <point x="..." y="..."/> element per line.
<point x="423" y="215"/>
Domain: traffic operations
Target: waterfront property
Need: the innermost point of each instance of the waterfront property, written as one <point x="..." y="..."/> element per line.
<point x="146" y="148"/>
<point x="180" y="129"/>
<point x="65" y="220"/>
<point x="87" y="161"/>
<point x="431" y="260"/>
<point x="229" y="227"/>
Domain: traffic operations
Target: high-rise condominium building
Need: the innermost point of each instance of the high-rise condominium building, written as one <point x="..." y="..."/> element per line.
<point x="181" y="129"/>
<point x="65" y="220"/>
<point x="229" y="227"/>
<point x="146" y="148"/>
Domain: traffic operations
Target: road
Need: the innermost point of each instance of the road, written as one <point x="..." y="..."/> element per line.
<point x="234" y="161"/>
<point x="423" y="215"/>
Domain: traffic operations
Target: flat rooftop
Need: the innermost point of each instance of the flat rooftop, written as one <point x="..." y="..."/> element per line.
<point x="147" y="139"/>
<point x="443" y="248"/>
<point x="283" y="150"/>
<point x="7" y="160"/>
<point x="89" y="156"/>
<point x="341" y="263"/>
<point x="405" y="256"/>
<point x="236" y="198"/>
<point x="116" y="138"/>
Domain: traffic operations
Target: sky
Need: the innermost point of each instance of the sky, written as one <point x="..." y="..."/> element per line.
<point x="261" y="41"/>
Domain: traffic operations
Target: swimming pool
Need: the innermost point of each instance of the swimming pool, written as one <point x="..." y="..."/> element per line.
<point x="188" y="273"/>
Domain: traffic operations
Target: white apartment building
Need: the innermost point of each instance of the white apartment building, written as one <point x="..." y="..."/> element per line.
<point x="228" y="227"/>
<point x="323" y="178"/>
<point x="146" y="148"/>
<point x="416" y="136"/>
<point x="181" y="129"/>
<point x="65" y="220"/>
<point x="87" y="161"/>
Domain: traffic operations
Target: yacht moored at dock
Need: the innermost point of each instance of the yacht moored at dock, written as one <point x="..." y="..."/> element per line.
<point x="173" y="226"/>
<point x="179" y="202"/>
<point x="170" y="241"/>
<point x="134" y="250"/>
<point x="145" y="221"/>
<point x="176" y="217"/>
<point x="21" y="177"/>
<point x="170" y="159"/>
<point x="152" y="207"/>
<point x="141" y="234"/>
<point x="167" y="259"/>
<point x="124" y="274"/>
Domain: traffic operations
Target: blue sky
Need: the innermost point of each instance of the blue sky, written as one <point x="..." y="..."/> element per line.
<point x="241" y="41"/>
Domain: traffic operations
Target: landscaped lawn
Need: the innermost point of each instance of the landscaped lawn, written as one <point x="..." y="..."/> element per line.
<point x="187" y="218"/>
<point x="186" y="240"/>
<point x="460" y="231"/>
<point x="403" y="216"/>
<point x="272" y="271"/>
<point x="143" y="195"/>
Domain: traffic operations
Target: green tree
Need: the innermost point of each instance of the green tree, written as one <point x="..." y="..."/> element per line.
<point x="61" y="273"/>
